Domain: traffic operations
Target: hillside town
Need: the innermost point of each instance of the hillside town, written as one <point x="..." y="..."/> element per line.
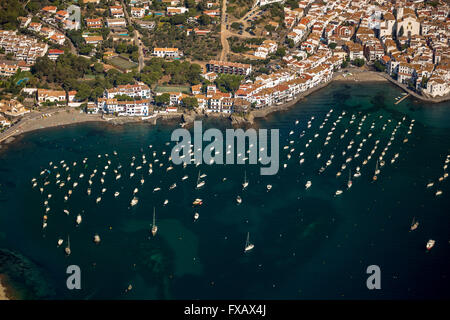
<point x="140" y="58"/>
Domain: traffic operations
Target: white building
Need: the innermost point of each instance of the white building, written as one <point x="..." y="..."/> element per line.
<point x="131" y="90"/>
<point x="167" y="52"/>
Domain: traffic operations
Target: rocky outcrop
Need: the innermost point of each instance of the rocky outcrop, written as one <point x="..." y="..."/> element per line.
<point x="188" y="117"/>
<point x="238" y="120"/>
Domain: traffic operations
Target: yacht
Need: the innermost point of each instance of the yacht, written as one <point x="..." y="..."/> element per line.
<point x="269" y="187"/>
<point x="154" y="226"/>
<point x="238" y="199"/>
<point x="414" y="224"/>
<point x="308" y="184"/>
<point x="430" y="244"/>
<point x="245" y="184"/>
<point x="96" y="238"/>
<point x="197" y="202"/>
<point x="200" y="183"/>
<point x="349" y="182"/>
<point x="67" y="249"/>
<point x="248" y="246"/>
<point x="134" y="201"/>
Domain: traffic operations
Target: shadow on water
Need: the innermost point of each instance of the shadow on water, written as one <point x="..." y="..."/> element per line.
<point x="25" y="277"/>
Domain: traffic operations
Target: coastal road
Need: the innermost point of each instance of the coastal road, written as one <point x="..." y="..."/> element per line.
<point x="223" y="33"/>
<point x="137" y="37"/>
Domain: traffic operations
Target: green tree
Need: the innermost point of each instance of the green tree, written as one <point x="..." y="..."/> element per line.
<point x="379" y="66"/>
<point x="290" y="43"/>
<point x="162" y="99"/>
<point x="84" y="91"/>
<point x="204" y="20"/>
<point x="228" y="82"/>
<point x="98" y="67"/>
<point x="358" y="62"/>
<point x="332" y="45"/>
<point x="190" y="102"/>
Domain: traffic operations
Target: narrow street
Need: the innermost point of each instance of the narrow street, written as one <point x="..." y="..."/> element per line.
<point x="137" y="37"/>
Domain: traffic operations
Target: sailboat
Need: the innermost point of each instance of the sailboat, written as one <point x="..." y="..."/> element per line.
<point x="78" y="221"/>
<point x="430" y="244"/>
<point x="374" y="178"/>
<point x="154" y="226"/>
<point x="199" y="182"/>
<point x="414" y="224"/>
<point x="67" y="249"/>
<point x="248" y="246"/>
<point x="96" y="238"/>
<point x="349" y="183"/>
<point x="245" y="184"/>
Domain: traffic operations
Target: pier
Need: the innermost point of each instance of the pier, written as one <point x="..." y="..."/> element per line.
<point x="403" y="98"/>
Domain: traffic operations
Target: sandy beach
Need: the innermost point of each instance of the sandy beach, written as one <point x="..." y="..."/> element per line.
<point x="68" y="116"/>
<point x="358" y="75"/>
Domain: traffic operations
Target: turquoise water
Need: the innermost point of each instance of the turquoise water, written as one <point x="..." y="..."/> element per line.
<point x="309" y="244"/>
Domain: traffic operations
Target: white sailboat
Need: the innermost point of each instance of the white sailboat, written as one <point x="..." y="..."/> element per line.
<point x="375" y="177"/>
<point x="349" y="182"/>
<point x="78" y="221"/>
<point x="245" y="184"/>
<point x="154" y="226"/>
<point x="67" y="249"/>
<point x="199" y="182"/>
<point x="248" y="246"/>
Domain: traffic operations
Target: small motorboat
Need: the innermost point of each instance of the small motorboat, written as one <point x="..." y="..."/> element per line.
<point x="430" y="244"/>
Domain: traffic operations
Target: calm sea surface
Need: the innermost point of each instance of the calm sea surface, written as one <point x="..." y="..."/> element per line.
<point x="309" y="243"/>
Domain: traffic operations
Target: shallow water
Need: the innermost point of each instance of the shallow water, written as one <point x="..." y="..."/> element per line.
<point x="309" y="244"/>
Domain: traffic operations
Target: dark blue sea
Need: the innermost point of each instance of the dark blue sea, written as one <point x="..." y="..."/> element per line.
<point x="308" y="243"/>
